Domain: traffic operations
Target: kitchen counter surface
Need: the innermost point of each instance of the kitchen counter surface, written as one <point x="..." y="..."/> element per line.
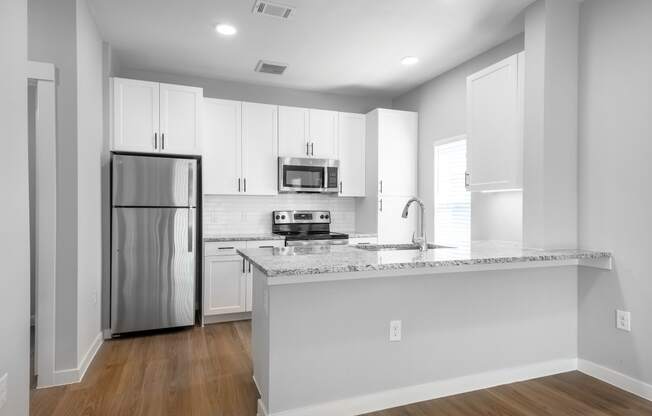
<point x="241" y="237"/>
<point x="307" y="263"/>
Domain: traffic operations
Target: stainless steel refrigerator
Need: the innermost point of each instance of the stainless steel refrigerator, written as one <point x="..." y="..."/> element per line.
<point x="153" y="242"/>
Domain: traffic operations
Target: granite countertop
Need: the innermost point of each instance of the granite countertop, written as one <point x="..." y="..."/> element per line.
<point x="296" y="261"/>
<point x="267" y="236"/>
<point x="241" y="237"/>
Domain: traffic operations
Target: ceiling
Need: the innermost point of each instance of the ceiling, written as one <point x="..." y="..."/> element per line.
<point x="341" y="46"/>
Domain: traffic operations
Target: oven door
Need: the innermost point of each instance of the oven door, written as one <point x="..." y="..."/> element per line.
<point x="302" y="175"/>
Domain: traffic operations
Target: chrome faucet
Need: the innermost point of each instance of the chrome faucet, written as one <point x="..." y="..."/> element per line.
<point x="421" y="240"/>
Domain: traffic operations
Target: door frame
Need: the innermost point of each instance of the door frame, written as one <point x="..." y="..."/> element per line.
<point x="43" y="75"/>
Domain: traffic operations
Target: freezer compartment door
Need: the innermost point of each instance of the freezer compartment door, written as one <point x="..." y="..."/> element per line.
<point x="153" y="268"/>
<point x="149" y="181"/>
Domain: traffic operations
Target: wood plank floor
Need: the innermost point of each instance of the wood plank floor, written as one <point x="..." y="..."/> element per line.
<point x="207" y="372"/>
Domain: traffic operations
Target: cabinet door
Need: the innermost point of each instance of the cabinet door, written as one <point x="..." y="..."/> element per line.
<point x="135" y="115"/>
<point x="222" y="146"/>
<point x="322" y="134"/>
<point x="181" y="115"/>
<point x="352" y="154"/>
<point x="259" y="149"/>
<point x="494" y="136"/>
<point x="225" y="285"/>
<point x="397" y="153"/>
<point x="293" y="132"/>
<point x="392" y="228"/>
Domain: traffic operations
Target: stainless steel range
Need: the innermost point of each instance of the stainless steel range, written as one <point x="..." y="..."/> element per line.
<point x="306" y="228"/>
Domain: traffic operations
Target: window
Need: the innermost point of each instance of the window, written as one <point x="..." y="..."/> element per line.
<point x="452" y="201"/>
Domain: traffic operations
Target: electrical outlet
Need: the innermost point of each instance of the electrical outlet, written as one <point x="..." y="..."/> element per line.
<point x="623" y="320"/>
<point x="394" y="330"/>
<point x="3" y="390"/>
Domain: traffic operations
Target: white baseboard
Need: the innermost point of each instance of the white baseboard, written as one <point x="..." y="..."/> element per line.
<point x="616" y="379"/>
<point x="428" y="391"/>
<point x="75" y="375"/>
<point x="229" y="317"/>
<point x="90" y="354"/>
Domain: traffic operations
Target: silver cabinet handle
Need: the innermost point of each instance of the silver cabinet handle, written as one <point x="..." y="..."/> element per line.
<point x="265" y="246"/>
<point x="155" y="140"/>
<point x="341" y="187"/>
<point x="312" y="148"/>
<point x="243" y="265"/>
<point x="307" y="148"/>
<point x="249" y="267"/>
<point x="467" y="179"/>
<point x="381" y="205"/>
<point x="226" y="248"/>
<point x="245" y="185"/>
<point x="163" y="141"/>
<point x="190" y="231"/>
<point x="238" y="184"/>
<point x="381" y="186"/>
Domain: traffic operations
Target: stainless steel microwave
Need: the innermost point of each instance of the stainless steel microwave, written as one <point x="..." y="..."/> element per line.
<point x="308" y="175"/>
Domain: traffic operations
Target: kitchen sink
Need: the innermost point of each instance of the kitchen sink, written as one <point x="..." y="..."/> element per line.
<point x="407" y="246"/>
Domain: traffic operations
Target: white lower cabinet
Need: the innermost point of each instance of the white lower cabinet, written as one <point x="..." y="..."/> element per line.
<point x="228" y="278"/>
<point x="225" y="285"/>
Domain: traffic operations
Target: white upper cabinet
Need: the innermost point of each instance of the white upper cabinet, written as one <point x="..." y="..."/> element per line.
<point x="397" y="152"/>
<point x="152" y="117"/>
<point x="495" y="126"/>
<point x="392" y="227"/>
<point x="240" y="151"/>
<point x="222" y="147"/>
<point x="180" y="119"/>
<point x="135" y="115"/>
<point x="352" y="154"/>
<point x="307" y="132"/>
<point x="322" y="135"/>
<point x="259" y="149"/>
<point x="293" y="131"/>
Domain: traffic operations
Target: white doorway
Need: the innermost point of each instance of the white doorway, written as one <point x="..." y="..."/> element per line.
<point x="42" y="155"/>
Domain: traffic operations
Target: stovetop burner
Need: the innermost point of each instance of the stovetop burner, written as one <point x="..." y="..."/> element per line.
<point x="306" y="228"/>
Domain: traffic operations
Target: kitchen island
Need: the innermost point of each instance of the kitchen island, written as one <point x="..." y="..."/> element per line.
<point x="471" y="317"/>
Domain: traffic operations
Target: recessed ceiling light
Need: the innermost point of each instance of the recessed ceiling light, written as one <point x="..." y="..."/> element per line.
<point x="226" y="29"/>
<point x="409" y="60"/>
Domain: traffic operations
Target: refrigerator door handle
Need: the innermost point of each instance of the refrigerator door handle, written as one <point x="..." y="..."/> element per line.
<point x="190" y="184"/>
<point x="190" y="229"/>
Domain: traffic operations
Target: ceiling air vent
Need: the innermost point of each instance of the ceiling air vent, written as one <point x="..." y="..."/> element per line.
<point x="270" y="67"/>
<point x="268" y="8"/>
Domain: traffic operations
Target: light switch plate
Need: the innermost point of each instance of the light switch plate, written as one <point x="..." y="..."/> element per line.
<point x="623" y="320"/>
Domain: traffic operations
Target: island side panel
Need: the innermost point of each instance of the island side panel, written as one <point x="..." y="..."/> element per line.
<point x="330" y="340"/>
<point x="260" y="335"/>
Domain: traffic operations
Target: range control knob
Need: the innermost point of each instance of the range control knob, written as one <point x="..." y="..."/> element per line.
<point x="326" y="217"/>
<point x="278" y="217"/>
<point x="321" y="216"/>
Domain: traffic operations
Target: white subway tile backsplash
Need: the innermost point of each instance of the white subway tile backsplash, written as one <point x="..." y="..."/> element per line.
<point x="235" y="214"/>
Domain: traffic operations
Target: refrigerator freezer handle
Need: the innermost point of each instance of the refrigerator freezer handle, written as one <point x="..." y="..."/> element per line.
<point x="191" y="184"/>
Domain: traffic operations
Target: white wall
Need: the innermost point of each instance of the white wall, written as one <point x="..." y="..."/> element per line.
<point x="89" y="147"/>
<point x="231" y="90"/>
<point x="441" y="103"/>
<point x="615" y="176"/>
<point x="14" y="222"/>
<point x="550" y="124"/>
<point x="52" y="38"/>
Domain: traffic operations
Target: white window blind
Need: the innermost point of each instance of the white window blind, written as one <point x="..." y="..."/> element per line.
<point x="452" y="201"/>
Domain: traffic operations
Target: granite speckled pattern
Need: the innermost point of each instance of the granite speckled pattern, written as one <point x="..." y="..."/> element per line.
<point x="241" y="237"/>
<point x="294" y="261"/>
